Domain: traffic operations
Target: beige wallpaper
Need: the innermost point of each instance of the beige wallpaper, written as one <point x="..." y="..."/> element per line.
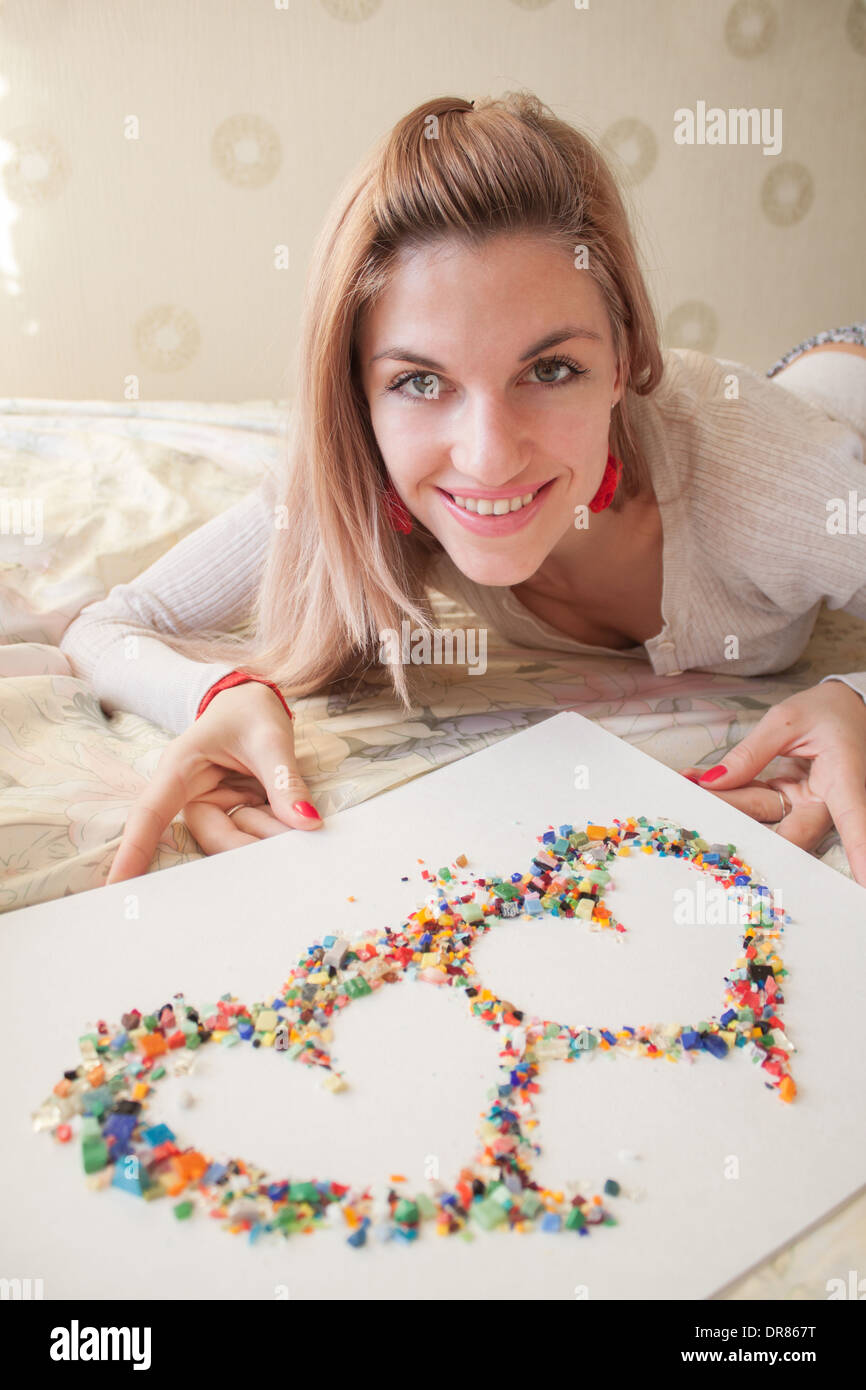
<point x="165" y="165"/>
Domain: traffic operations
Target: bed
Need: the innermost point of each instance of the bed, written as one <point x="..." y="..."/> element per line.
<point x="92" y="492"/>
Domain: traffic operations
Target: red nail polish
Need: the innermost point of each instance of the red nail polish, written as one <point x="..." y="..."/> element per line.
<point x="305" y="808"/>
<point x="691" y="777"/>
<point x="712" y="773"/>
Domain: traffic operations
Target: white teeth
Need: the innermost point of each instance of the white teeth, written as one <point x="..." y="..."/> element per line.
<point x="486" y="506"/>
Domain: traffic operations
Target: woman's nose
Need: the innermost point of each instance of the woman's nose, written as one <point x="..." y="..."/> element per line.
<point x="488" y="446"/>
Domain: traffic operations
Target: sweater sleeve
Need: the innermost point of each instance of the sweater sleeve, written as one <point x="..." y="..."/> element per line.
<point x="855" y="679"/>
<point x="845" y="546"/>
<point x="208" y="580"/>
<point x="836" y="384"/>
<point x="783" y="525"/>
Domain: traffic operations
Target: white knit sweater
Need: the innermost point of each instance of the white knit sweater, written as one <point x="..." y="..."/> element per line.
<point x="747" y="487"/>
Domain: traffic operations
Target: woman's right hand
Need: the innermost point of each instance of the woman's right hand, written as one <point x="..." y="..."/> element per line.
<point x="237" y="751"/>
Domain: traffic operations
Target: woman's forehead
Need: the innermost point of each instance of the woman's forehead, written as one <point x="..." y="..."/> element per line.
<point x="439" y="287"/>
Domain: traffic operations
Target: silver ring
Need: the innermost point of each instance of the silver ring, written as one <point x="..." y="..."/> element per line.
<point x="240" y="807"/>
<point x="781" y="797"/>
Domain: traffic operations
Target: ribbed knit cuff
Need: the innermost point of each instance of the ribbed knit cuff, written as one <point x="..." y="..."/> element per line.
<point x="155" y="682"/>
<point x="855" y="680"/>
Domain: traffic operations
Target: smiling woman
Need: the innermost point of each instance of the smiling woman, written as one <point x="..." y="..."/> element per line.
<point x="483" y="448"/>
<point x="490" y="442"/>
<point x="485" y="409"/>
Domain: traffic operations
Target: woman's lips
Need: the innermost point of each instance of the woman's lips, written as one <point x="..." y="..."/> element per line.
<point x="497" y="525"/>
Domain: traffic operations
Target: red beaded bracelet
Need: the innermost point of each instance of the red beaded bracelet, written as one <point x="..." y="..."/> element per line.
<point x="239" y="678"/>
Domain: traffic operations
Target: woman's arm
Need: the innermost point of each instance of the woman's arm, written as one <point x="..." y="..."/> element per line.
<point x="815" y="519"/>
<point x="208" y="580"/>
<point x="833" y="377"/>
<point x="855" y="603"/>
<point x="824" y="736"/>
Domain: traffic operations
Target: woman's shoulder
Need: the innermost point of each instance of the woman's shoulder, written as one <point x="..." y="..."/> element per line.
<point x="721" y="420"/>
<point x="753" y="468"/>
<point x="696" y="379"/>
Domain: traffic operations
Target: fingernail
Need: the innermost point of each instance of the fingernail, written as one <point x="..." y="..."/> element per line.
<point x="305" y="808"/>
<point x="713" y="772"/>
<point x="691" y="776"/>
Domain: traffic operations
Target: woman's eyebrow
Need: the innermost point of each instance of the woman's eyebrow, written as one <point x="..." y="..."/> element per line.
<point x="559" y="335"/>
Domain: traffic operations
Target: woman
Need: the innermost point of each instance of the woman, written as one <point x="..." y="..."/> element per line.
<point x="484" y="408"/>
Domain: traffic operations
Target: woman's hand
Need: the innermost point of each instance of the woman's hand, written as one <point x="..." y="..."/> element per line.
<point x="823" y="732"/>
<point x="236" y="752"/>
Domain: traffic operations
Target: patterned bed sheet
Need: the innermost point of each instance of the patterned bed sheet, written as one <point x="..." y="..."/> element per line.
<point x="114" y="487"/>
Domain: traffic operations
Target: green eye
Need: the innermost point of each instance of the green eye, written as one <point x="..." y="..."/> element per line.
<point x="551" y="368"/>
<point x="556" y="365"/>
<point x="428" y="385"/>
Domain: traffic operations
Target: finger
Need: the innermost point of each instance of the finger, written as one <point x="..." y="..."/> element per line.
<point x="757" y="801"/>
<point x="136" y="849"/>
<point x="846" y="801"/>
<point x="797" y="791"/>
<point x="159" y="803"/>
<point x="259" y="821"/>
<point x="770" y="737"/>
<point x="213" y="830"/>
<point x="227" y="797"/>
<point x="806" y="825"/>
<point x="246" y="784"/>
<point x="272" y="759"/>
<point x="146" y="819"/>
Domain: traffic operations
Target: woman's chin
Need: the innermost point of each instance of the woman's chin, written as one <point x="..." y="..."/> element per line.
<point x="493" y="571"/>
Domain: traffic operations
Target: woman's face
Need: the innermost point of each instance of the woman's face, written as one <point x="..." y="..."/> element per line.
<point x="490" y="376"/>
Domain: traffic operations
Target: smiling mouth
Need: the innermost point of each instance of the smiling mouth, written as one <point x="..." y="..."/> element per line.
<point x="494" y="506"/>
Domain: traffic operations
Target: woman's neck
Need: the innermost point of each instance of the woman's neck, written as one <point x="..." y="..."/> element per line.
<point x="604" y="584"/>
<point x="581" y="563"/>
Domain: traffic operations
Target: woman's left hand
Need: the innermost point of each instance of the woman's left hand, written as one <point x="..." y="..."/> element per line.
<point x="823" y="730"/>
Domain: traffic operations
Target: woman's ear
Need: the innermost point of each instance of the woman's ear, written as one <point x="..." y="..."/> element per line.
<point x="618" y="387"/>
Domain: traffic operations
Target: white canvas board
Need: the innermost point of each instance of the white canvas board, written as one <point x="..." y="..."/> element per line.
<point x="419" y="1066"/>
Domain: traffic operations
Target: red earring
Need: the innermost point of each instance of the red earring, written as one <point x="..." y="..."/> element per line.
<point x="608" y="485"/>
<point x="396" y="511"/>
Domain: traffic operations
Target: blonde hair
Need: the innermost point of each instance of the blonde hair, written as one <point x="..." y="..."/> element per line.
<point x="337" y="576"/>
